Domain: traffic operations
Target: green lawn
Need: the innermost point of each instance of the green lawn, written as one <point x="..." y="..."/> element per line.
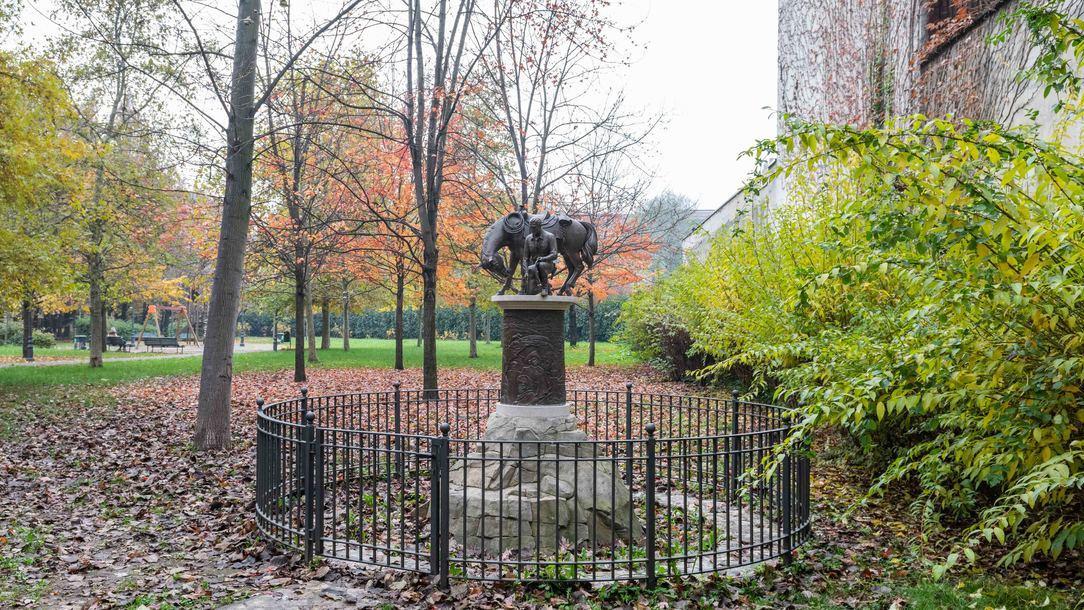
<point x="363" y="353"/>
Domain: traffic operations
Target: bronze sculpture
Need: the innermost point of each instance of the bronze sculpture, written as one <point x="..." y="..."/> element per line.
<point x="539" y="259"/>
<point x="577" y="245"/>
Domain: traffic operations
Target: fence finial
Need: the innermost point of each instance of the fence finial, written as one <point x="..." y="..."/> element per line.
<point x="650" y="428"/>
<point x="304" y="391"/>
<point x="444" y="429"/>
<point x="259" y="403"/>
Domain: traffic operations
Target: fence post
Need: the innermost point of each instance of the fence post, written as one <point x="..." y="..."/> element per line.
<point x="435" y="511"/>
<point x="309" y="463"/>
<point x="628" y="434"/>
<point x="735" y="448"/>
<point x="788" y="525"/>
<point x="650" y="491"/>
<point x="444" y="522"/>
<point x="318" y="491"/>
<point x="398" y="438"/>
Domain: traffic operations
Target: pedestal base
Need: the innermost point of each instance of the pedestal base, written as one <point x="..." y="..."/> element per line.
<point x="548" y="488"/>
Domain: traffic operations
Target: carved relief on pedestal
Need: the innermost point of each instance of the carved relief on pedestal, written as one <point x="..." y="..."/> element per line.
<point x="533" y="368"/>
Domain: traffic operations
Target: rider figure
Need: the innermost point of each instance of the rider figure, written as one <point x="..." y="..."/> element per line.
<point x="539" y="257"/>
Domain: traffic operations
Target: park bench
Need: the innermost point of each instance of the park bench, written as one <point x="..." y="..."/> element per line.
<point x="120" y="343"/>
<point x="162" y="343"/>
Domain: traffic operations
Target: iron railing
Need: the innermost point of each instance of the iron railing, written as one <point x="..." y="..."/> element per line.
<point x="715" y="484"/>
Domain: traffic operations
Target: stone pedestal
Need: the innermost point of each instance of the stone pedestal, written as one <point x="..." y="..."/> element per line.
<point x="551" y="487"/>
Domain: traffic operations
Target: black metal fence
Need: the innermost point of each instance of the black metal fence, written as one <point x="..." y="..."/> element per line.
<point x="673" y="485"/>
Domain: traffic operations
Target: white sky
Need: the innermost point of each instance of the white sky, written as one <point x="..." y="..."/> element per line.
<point x="710" y="66"/>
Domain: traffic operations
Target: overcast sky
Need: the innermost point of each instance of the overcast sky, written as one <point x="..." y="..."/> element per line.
<point x="710" y="66"/>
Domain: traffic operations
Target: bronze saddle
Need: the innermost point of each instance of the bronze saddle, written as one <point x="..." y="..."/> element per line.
<point x="554" y="223"/>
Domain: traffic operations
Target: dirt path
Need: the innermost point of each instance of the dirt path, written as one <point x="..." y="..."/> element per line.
<point x="189" y="352"/>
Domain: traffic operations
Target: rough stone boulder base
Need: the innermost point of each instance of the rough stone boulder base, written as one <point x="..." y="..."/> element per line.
<point x="550" y="486"/>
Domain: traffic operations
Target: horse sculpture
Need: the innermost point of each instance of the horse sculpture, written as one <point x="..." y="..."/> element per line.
<point x="577" y="242"/>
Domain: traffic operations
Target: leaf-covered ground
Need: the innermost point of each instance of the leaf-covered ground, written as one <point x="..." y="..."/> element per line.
<point x="105" y="504"/>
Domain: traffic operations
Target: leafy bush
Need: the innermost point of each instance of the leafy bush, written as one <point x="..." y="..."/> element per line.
<point x="652" y="327"/>
<point x="43" y="339"/>
<point x="924" y="293"/>
<point x="124" y="327"/>
<point x="11" y="333"/>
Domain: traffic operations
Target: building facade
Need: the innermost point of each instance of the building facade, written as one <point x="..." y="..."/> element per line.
<point x="861" y="61"/>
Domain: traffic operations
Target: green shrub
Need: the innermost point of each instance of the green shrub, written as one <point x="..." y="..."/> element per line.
<point x="11" y="333"/>
<point x="923" y="291"/>
<point x="652" y="327"/>
<point x="43" y="339"/>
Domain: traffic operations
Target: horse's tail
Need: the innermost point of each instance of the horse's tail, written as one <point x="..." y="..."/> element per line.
<point x="590" y="245"/>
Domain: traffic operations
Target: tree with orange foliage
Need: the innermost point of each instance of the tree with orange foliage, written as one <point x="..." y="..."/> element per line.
<point x="610" y="191"/>
<point x="312" y="209"/>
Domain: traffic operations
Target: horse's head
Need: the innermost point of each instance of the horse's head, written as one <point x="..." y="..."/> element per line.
<point x="491" y="259"/>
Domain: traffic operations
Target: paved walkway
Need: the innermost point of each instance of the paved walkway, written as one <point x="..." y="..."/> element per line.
<point x="190" y="351"/>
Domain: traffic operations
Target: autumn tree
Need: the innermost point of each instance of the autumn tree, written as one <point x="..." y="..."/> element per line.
<point x="544" y="98"/>
<point x="240" y="103"/>
<point x="108" y="63"/>
<point x="441" y="46"/>
<point x="611" y="192"/>
<point x="313" y="193"/>
<point x="40" y="176"/>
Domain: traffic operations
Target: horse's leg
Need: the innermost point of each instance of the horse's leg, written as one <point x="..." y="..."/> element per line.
<point x="513" y="264"/>
<point x="575" y="268"/>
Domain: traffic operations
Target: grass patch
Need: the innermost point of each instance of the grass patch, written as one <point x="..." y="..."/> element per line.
<point x="983" y="593"/>
<point x="364" y="353"/>
<point x="20" y="548"/>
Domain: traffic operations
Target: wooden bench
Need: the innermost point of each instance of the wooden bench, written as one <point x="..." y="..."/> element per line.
<point x="120" y="343"/>
<point x="162" y="343"/>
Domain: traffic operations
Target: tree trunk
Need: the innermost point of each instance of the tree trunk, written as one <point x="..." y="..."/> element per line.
<point x="28" y="330"/>
<point x="311" y="321"/>
<point x="472" y="328"/>
<point x="97" y="312"/>
<point x="486" y="321"/>
<point x="325" y="318"/>
<point x="346" y="322"/>
<point x="590" y="328"/>
<point x="573" y="327"/>
<point x="399" y="289"/>
<point x="429" y="321"/>
<point x="216" y="375"/>
<point x="299" y="324"/>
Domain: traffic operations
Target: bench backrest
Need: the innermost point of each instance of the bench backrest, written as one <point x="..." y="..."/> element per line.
<point x="161" y="341"/>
